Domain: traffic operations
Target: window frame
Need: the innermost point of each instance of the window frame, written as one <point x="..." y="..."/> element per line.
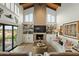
<point x="12" y="7"/>
<point x="16" y="11"/>
<point x="15" y="8"/>
<point x="50" y="19"/>
<point x="29" y="19"/>
<point x="1" y="38"/>
<point x="8" y="5"/>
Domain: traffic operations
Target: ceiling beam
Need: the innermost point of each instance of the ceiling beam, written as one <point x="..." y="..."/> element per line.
<point x="21" y="3"/>
<point x="59" y="4"/>
<point x="26" y="5"/>
<point x="53" y="6"/>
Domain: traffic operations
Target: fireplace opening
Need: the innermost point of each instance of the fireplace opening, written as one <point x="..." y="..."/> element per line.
<point x="39" y="37"/>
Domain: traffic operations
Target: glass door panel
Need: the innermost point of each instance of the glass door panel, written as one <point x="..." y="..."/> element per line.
<point x="8" y="38"/>
<point x="15" y="35"/>
<point x="1" y="37"/>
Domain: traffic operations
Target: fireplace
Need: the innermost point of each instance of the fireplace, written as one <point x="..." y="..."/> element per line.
<point x="39" y="32"/>
<point x="39" y="37"/>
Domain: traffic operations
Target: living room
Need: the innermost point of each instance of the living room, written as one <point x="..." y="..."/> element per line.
<point x="39" y="29"/>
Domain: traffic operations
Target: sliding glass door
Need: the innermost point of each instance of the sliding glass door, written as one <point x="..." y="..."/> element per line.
<point x="8" y="38"/>
<point x="14" y="35"/>
<point x="1" y="37"/>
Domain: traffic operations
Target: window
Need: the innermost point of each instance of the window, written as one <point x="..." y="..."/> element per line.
<point x="8" y="5"/>
<point x="8" y="38"/>
<point x="26" y="18"/>
<point x="50" y="18"/>
<point x="12" y="7"/>
<point x="29" y="17"/>
<point x="16" y="9"/>
<point x="1" y="37"/>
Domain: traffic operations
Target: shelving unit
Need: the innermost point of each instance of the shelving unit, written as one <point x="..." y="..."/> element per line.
<point x="28" y="28"/>
<point x="50" y="28"/>
<point x="70" y="29"/>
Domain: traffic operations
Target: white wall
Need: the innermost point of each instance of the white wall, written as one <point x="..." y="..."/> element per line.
<point x="68" y="12"/>
<point x="20" y="27"/>
<point x="7" y="11"/>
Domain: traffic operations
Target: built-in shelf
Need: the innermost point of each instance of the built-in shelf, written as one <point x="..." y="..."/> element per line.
<point x="70" y="29"/>
<point x="28" y="29"/>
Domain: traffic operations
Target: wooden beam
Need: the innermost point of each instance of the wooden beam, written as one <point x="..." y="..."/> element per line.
<point x="21" y="3"/>
<point x="59" y="4"/>
<point x="26" y="5"/>
<point x="53" y="6"/>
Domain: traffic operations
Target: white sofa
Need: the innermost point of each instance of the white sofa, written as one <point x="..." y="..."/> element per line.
<point x="59" y="48"/>
<point x="50" y="39"/>
<point x="73" y="40"/>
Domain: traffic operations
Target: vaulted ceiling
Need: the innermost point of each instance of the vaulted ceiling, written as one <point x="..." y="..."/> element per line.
<point x="53" y="6"/>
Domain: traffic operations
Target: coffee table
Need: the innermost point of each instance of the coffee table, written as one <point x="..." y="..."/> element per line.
<point x="40" y="48"/>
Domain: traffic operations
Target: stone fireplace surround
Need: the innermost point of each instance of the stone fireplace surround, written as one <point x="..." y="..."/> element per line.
<point x="39" y="19"/>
